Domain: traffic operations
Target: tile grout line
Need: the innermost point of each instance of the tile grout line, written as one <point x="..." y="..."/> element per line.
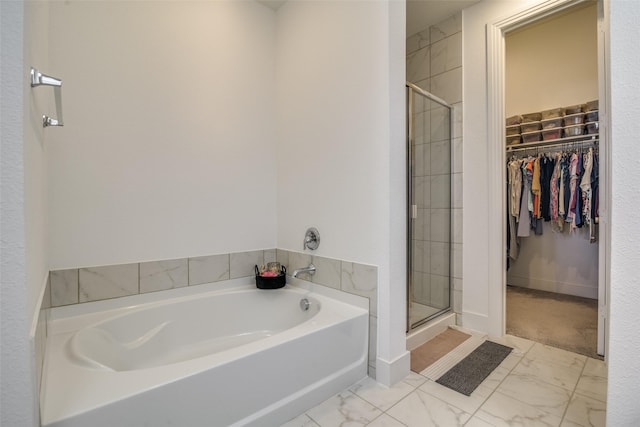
<point x="573" y="393"/>
<point x="498" y="386"/>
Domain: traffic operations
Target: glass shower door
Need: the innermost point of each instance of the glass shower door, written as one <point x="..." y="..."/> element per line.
<point x="429" y="196"/>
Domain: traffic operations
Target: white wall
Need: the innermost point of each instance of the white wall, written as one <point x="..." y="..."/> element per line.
<point x="557" y="262"/>
<point x="475" y="303"/>
<point x="341" y="143"/>
<point x="624" y="344"/>
<point x="554" y="63"/>
<point x="168" y="148"/>
<point x="22" y="261"/>
<point x="332" y="165"/>
<point x="624" y="365"/>
<point x="39" y="101"/>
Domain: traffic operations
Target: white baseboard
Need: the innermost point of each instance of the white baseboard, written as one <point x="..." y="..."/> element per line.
<point x="475" y="321"/>
<point x="389" y="373"/>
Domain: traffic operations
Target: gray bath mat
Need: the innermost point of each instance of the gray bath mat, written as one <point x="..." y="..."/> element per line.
<point x="467" y="375"/>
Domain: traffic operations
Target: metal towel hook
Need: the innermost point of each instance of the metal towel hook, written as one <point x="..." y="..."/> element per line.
<point x="39" y="79"/>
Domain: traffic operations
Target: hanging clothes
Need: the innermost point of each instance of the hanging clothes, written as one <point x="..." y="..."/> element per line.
<point x="535" y="187"/>
<point x="566" y="176"/>
<point x="561" y="188"/>
<point x="585" y="187"/>
<point x="546" y="171"/>
<point x="573" y="198"/>
<point x="524" y="224"/>
<point x="578" y="217"/>
<point x="513" y="248"/>
<point x="594" y="198"/>
<point x="515" y="187"/>
<point x="556" y="194"/>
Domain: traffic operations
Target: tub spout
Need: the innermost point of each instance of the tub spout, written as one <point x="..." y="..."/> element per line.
<point x="311" y="270"/>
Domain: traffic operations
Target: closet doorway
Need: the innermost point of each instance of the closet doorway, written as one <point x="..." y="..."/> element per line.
<point x="553" y="274"/>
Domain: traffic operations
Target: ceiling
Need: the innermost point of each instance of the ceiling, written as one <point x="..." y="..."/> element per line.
<point x="421" y="14"/>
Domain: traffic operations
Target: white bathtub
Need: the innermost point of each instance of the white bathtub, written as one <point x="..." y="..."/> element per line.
<point x="210" y="355"/>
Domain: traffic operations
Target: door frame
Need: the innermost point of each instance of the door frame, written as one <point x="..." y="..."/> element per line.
<point x="496" y="32"/>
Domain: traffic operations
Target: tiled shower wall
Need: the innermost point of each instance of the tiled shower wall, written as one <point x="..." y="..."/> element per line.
<point x="79" y="285"/>
<point x="434" y="63"/>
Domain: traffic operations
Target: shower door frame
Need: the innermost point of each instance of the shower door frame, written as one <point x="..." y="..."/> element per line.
<point x="410" y="89"/>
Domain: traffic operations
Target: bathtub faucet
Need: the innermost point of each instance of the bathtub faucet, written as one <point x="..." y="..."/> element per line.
<point x="311" y="270"/>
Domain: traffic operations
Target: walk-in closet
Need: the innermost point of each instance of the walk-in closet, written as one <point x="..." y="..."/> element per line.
<point x="552" y="189"/>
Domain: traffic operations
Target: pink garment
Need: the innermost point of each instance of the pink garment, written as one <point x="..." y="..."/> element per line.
<point x="585" y="186"/>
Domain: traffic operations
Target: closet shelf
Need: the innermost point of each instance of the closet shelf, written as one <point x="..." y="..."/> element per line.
<point x="593" y="137"/>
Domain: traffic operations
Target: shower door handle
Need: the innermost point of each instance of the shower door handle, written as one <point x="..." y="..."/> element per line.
<point x="414" y="211"/>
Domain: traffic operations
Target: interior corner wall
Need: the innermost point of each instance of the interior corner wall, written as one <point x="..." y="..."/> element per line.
<point x="333" y="129"/>
<point x="475" y="233"/>
<point x="168" y="148"/>
<point x="548" y="64"/>
<point x="624" y="298"/>
<point x="38" y="101"/>
<point x="18" y="390"/>
<point x="335" y="86"/>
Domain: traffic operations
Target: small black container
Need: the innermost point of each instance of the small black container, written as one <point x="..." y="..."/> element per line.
<point x="275" y="282"/>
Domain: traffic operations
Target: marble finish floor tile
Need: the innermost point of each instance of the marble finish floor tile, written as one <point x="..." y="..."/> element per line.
<point x="536" y="385"/>
<point x="496" y="377"/>
<point x="467" y="403"/>
<point x="569" y="423"/>
<point x="344" y="409"/>
<point x="596" y="368"/>
<point x="593" y="382"/>
<point x="380" y="396"/>
<point x="477" y="422"/>
<point x="520" y="345"/>
<point x="556" y="356"/>
<point x="385" y="420"/>
<point x="420" y="409"/>
<point x="536" y="393"/>
<point x="586" y="412"/>
<point x="553" y="373"/>
<point x="503" y="410"/>
<point x="415" y="380"/>
<point x="592" y="386"/>
<point x="301" y="421"/>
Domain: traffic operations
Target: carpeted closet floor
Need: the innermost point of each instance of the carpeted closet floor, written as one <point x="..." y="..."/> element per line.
<point x="561" y="321"/>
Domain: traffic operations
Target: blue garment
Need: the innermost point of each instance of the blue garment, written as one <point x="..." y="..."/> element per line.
<point x="580" y="171"/>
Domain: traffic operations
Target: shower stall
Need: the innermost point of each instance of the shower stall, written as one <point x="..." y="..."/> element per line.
<point x="429" y="207"/>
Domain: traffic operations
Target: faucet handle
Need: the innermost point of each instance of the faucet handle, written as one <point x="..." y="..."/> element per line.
<point x="311" y="239"/>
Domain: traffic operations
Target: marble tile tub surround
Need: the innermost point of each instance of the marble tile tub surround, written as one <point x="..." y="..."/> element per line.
<point x="78" y="285"/>
<point x="346" y="276"/>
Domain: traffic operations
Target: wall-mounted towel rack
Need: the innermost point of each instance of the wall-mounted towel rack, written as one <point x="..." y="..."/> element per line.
<point x="39" y="79"/>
